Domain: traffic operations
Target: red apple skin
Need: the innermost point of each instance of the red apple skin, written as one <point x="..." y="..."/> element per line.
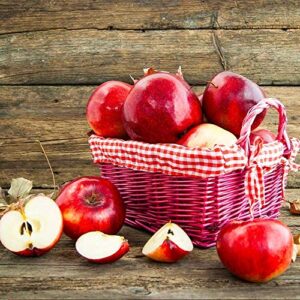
<point x="160" y="108"/>
<point x="91" y="203"/>
<point x="207" y="135"/>
<point x="255" y="251"/>
<point x="266" y="135"/>
<point x="227" y="99"/>
<point x="168" y="252"/>
<point x="121" y="252"/>
<point x="104" y="109"/>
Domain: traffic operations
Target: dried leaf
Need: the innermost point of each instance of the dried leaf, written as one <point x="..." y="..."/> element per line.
<point x="19" y="188"/>
<point x="295" y="252"/>
<point x="295" y="201"/>
<point x="296" y="239"/>
<point x="149" y="71"/>
<point x="295" y="208"/>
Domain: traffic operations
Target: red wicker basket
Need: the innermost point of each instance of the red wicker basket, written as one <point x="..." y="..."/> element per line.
<point x="249" y="184"/>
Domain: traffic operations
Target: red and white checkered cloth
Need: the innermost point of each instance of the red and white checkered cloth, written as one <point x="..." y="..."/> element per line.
<point x="170" y="159"/>
<point x="173" y="159"/>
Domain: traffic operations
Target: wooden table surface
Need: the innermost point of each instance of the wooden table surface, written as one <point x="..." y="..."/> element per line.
<point x="63" y="274"/>
<point x="54" y="53"/>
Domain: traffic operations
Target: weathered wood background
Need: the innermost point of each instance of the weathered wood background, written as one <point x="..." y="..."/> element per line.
<point x="54" y="53"/>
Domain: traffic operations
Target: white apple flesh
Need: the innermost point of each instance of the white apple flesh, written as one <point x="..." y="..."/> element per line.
<point x="98" y="247"/>
<point x="34" y="230"/>
<point x="169" y="244"/>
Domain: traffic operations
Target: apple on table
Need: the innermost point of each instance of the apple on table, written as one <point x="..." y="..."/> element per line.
<point x="34" y="229"/>
<point x="256" y="250"/>
<point x="91" y="203"/>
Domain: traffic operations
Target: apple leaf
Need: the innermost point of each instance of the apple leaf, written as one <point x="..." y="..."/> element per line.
<point x="19" y="188"/>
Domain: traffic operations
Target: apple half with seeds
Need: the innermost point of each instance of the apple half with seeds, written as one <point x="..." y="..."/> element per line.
<point x="34" y="229"/>
<point x="169" y="244"/>
<point x="99" y="247"/>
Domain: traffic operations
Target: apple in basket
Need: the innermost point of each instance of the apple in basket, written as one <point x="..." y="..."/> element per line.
<point x="207" y="135"/>
<point x="104" y="109"/>
<point x="266" y="135"/>
<point x="257" y="250"/>
<point x="89" y="204"/>
<point x="160" y="108"/>
<point x="98" y="247"/>
<point x="32" y="230"/>
<point x="227" y="99"/>
<point x="169" y="244"/>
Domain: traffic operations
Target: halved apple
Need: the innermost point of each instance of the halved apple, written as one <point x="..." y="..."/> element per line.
<point x="33" y="230"/>
<point x="101" y="248"/>
<point x="169" y="244"/>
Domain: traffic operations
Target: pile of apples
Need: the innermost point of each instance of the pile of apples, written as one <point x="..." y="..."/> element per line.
<point x="162" y="108"/>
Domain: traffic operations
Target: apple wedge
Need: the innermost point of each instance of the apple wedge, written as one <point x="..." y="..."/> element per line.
<point x="169" y="244"/>
<point x="98" y="247"/>
<point x="33" y="230"/>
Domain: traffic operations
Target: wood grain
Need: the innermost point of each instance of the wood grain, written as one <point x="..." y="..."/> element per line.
<point x="93" y="56"/>
<point x="62" y="273"/>
<point x="20" y="16"/>
<point x="56" y="116"/>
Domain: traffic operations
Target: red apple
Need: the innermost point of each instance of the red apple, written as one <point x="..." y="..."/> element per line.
<point x="227" y="99"/>
<point x="33" y="230"/>
<point x="256" y="250"/>
<point x="104" y="109"/>
<point x="160" y="108"/>
<point x="266" y="135"/>
<point x="169" y="244"/>
<point x="91" y="204"/>
<point x="101" y="248"/>
<point x="207" y="135"/>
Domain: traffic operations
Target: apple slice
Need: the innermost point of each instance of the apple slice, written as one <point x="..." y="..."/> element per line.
<point x="33" y="230"/>
<point x="99" y="247"/>
<point x="169" y="244"/>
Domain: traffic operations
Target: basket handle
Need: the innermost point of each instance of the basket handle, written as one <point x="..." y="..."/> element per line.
<point x="244" y="140"/>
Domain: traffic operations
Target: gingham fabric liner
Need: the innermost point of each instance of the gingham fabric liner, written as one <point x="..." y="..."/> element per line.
<point x="172" y="159"/>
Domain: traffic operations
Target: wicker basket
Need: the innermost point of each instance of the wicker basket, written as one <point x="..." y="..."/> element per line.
<point x="201" y="205"/>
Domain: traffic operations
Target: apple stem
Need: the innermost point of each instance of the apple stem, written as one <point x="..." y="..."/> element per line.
<point x="179" y="72"/>
<point x="13" y="206"/>
<point x="50" y="167"/>
<point x="214" y="85"/>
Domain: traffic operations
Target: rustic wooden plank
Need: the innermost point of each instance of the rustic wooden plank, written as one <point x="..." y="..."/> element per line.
<point x="141" y="291"/>
<point x="92" y="56"/>
<point x="56" y="116"/>
<point x="192" y="14"/>
<point x="58" y="112"/>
